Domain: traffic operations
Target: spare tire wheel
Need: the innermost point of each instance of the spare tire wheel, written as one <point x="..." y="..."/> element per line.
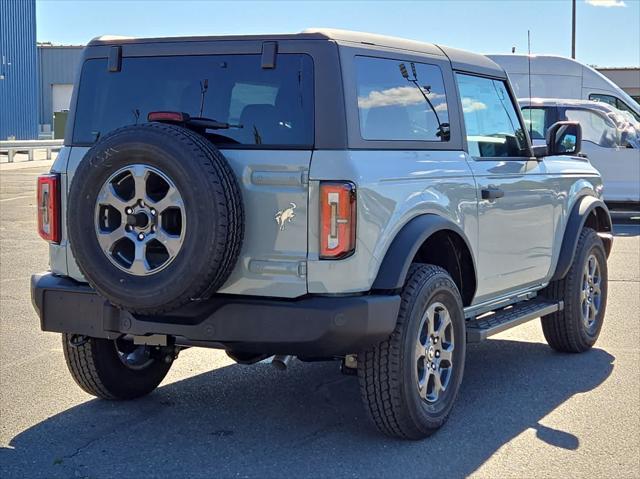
<point x="154" y="217"/>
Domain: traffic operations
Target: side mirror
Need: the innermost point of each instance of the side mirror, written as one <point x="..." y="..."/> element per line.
<point x="564" y="138"/>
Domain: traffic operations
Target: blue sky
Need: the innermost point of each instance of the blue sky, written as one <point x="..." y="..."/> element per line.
<point x="608" y="32"/>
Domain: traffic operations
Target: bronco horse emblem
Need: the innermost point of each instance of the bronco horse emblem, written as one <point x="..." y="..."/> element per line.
<point x="285" y="216"/>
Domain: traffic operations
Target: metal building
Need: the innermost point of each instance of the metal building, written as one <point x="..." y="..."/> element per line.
<point x="627" y="78"/>
<point x="18" y="70"/>
<point x="57" y="68"/>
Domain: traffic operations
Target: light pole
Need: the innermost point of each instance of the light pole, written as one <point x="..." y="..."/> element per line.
<point x="573" y="30"/>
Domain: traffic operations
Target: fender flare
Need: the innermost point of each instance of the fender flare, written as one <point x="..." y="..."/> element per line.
<point x="577" y="219"/>
<point x="399" y="256"/>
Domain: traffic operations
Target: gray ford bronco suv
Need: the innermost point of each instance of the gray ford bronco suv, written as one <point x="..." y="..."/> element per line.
<point x="324" y="195"/>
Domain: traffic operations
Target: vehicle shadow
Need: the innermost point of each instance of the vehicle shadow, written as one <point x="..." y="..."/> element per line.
<point x="258" y="422"/>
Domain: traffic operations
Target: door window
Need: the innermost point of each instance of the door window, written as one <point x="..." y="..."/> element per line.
<point x="611" y="100"/>
<point x="492" y="124"/>
<point x="596" y="128"/>
<point x="401" y="100"/>
<point x="534" y="119"/>
<point x="614" y="101"/>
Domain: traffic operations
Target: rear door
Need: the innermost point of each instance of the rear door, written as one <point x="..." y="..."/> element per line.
<point x="270" y="111"/>
<point x="515" y="197"/>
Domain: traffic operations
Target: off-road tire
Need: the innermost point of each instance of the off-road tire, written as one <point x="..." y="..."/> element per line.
<point x="214" y="217"/>
<point x="565" y="330"/>
<point x="386" y="371"/>
<point x="95" y="366"/>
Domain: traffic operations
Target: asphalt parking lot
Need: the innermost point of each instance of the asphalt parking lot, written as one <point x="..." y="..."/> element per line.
<point x="523" y="410"/>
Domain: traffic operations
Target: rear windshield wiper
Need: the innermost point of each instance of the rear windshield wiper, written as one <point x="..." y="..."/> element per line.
<point x="193" y="121"/>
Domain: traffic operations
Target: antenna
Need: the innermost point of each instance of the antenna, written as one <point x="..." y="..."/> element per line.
<point x="529" y="61"/>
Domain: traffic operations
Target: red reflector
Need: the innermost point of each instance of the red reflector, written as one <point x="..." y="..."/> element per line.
<point x="337" y="219"/>
<point x="49" y="207"/>
<point x="167" y="116"/>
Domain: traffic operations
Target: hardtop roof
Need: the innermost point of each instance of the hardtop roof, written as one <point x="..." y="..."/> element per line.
<point x="460" y="59"/>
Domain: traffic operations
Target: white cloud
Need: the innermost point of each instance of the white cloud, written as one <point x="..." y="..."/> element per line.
<point x="440" y="106"/>
<point x="403" y="96"/>
<point x="470" y="105"/>
<point x="606" y="3"/>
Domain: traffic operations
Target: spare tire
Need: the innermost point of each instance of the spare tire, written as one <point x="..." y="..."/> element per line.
<point x="155" y="217"/>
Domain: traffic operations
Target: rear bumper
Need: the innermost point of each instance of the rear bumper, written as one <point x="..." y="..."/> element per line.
<point x="311" y="326"/>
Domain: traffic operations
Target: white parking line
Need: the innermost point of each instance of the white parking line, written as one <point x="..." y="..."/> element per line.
<point x="15" y="198"/>
<point x="24" y="361"/>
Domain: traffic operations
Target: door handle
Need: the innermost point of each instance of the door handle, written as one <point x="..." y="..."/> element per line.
<point x="492" y="193"/>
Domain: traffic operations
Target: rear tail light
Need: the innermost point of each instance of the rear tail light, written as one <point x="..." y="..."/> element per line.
<point x="49" y="207"/>
<point x="337" y="219"/>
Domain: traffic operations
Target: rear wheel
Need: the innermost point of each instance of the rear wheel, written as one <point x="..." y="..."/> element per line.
<point x="409" y="382"/>
<point x="584" y="292"/>
<point x="111" y="369"/>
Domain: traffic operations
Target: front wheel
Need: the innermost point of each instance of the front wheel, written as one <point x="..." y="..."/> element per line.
<point x="410" y="381"/>
<point x="111" y="369"/>
<point x="584" y="292"/>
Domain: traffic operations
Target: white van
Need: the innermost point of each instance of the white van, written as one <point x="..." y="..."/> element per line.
<point x="560" y="77"/>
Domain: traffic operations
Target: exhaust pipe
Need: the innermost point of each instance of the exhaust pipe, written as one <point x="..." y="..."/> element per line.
<point x="281" y="361"/>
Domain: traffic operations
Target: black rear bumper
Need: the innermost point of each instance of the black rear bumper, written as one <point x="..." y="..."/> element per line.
<point x="311" y="326"/>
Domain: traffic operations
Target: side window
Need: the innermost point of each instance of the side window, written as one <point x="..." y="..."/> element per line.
<point x="614" y="101"/>
<point x="401" y="100"/>
<point x="491" y="121"/>
<point x="596" y="128"/>
<point x="534" y="120"/>
<point x="611" y="100"/>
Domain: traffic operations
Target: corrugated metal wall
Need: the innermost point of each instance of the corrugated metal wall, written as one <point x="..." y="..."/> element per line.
<point x="56" y="65"/>
<point x="18" y="70"/>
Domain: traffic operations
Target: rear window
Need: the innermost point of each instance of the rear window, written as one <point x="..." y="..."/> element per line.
<point x="271" y="107"/>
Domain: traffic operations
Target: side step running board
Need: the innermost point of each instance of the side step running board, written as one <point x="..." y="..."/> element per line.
<point x="497" y="321"/>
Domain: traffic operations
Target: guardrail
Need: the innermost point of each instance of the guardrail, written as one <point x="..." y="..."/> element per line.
<point x="30" y="146"/>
